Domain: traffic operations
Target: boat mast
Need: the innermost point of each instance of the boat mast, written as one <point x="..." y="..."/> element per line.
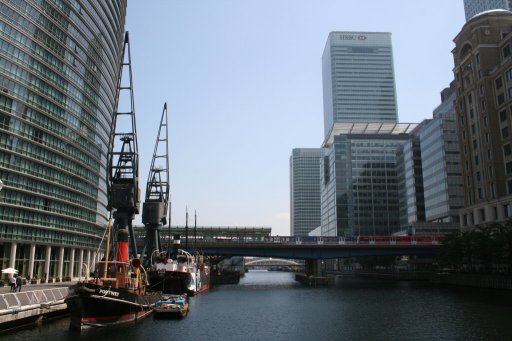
<point x="123" y="162"/>
<point x="157" y="201"/>
<point x="195" y="229"/>
<point x="186" y="228"/>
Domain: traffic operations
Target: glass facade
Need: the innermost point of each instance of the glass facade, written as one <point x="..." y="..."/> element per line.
<point x="59" y="69"/>
<point x="360" y="184"/>
<point x="305" y="190"/>
<point x="410" y="182"/>
<point x="442" y="174"/>
<point x="358" y="79"/>
<point x="473" y="7"/>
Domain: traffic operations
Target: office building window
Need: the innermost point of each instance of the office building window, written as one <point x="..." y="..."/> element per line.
<point x="499" y="83"/>
<point x="506" y="51"/>
<point x="504" y="132"/>
<point x="501" y="99"/>
<point x="503" y="116"/>
<point x="508" y="75"/>
<point x="507" y="150"/>
<point x="508" y="167"/>
<point x="482" y="215"/>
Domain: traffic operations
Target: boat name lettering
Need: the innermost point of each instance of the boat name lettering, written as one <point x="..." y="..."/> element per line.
<point x="109" y="292"/>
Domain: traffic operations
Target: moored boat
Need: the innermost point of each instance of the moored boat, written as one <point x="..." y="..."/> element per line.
<point x="184" y="273"/>
<point x="120" y="297"/>
<point x="172" y="306"/>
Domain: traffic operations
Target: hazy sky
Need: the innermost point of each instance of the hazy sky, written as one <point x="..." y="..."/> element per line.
<point x="243" y="83"/>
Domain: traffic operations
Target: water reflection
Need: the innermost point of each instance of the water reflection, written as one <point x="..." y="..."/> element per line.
<point x="272" y="306"/>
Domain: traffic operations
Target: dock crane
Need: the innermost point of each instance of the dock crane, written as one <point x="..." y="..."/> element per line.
<point x="123" y="165"/>
<point x="156" y="204"/>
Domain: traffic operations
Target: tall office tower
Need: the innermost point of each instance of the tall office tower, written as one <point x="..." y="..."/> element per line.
<point x="305" y="190"/>
<point x="59" y="70"/>
<point x="440" y="158"/>
<point x="483" y="76"/>
<point x="359" y="178"/>
<point x="429" y="173"/>
<point x="411" y="200"/>
<point x="474" y="7"/>
<point x="358" y="79"/>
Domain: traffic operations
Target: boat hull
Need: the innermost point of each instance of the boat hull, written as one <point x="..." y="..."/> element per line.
<point x="171" y="312"/>
<point x="176" y="282"/>
<point x="92" y="305"/>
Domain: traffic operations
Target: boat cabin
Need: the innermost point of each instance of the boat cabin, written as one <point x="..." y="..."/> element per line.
<point x="118" y="274"/>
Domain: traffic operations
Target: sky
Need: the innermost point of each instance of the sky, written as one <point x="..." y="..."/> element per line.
<point x="243" y="84"/>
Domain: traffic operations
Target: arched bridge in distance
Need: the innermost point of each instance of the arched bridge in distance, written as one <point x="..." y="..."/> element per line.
<point x="316" y="248"/>
<point x="271" y="262"/>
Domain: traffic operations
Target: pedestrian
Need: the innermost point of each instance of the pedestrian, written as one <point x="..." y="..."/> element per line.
<point x="12" y="282"/>
<point x="18" y="283"/>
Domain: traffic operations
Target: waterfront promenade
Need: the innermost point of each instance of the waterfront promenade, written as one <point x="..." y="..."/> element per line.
<point x="31" y="287"/>
<point x="32" y="304"/>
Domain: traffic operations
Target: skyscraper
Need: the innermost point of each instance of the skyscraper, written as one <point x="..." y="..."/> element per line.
<point x="440" y="157"/>
<point x="358" y="79"/>
<point x="59" y="70"/>
<point x="473" y="7"/>
<point x="483" y="79"/>
<point x="305" y="190"/>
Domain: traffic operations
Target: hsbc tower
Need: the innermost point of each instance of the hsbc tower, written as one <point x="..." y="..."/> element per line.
<point x="358" y="79"/>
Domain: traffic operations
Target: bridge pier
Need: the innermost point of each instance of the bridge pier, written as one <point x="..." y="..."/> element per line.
<point x="313" y="273"/>
<point x="313" y="267"/>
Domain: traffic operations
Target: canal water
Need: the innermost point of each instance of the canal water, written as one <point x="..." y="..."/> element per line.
<point x="272" y="306"/>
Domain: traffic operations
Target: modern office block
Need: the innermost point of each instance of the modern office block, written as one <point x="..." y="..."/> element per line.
<point x="305" y="190"/>
<point x="440" y="156"/>
<point x="483" y="79"/>
<point x="59" y="70"/>
<point x="410" y="182"/>
<point x="474" y="7"/>
<point x="359" y="178"/>
<point x="358" y="79"/>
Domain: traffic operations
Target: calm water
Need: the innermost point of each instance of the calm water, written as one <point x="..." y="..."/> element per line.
<point x="272" y="306"/>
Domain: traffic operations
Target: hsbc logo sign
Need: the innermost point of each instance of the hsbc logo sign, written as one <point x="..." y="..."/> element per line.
<point x="353" y="37"/>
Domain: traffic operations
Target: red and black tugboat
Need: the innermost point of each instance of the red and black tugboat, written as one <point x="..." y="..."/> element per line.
<point x="118" y="296"/>
<point x="117" y="293"/>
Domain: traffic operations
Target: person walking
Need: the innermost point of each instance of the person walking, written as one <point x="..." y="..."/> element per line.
<point x="12" y="282"/>
<point x="18" y="283"/>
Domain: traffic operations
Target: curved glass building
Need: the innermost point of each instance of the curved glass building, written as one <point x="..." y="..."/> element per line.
<point x="59" y="70"/>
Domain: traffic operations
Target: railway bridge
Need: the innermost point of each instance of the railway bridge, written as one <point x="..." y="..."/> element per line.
<point x="319" y="248"/>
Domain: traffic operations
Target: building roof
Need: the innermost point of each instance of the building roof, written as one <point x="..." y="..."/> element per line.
<point x="497" y="11"/>
<point x="368" y="128"/>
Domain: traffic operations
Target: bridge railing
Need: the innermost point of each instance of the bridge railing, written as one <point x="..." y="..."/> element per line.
<point x="359" y="240"/>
